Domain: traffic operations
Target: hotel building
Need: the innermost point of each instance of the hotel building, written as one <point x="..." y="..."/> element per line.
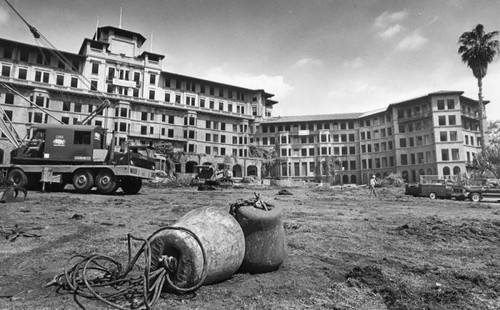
<point x="211" y="122"/>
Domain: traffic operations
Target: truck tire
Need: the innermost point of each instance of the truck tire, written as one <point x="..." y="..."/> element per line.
<point x="432" y="195"/>
<point x="106" y="182"/>
<point x="476" y="197"/>
<point x="83" y="181"/>
<point x="131" y="185"/>
<point x="18" y="176"/>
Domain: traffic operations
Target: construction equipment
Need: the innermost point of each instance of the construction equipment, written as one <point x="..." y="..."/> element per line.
<point x="208" y="175"/>
<point x="59" y="154"/>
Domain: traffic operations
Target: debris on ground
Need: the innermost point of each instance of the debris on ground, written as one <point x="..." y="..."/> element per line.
<point x="284" y="192"/>
<point x="9" y="191"/>
<point x="11" y="234"/>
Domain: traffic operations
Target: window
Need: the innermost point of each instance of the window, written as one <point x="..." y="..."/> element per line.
<point x="453" y="136"/>
<point x="445" y="155"/>
<point x="167" y="97"/>
<point x="66" y="105"/>
<point x="442" y="120"/>
<point x="60" y="79"/>
<point x="202" y="103"/>
<point x="152" y="94"/>
<point x="152" y="79"/>
<point x="65" y="120"/>
<point x="5" y="70"/>
<point x="443" y="136"/>
<point x="144" y="130"/>
<point x="78" y="107"/>
<point x="452" y="120"/>
<point x="39" y="101"/>
<point x="402" y="142"/>
<point x="455" y="154"/>
<point x="177" y="98"/>
<point x="74" y="81"/>
<point x="144" y="116"/>
<point x="37" y="117"/>
<point x="451" y="104"/>
<point x="82" y="137"/>
<point x="221" y="106"/>
<point x="23" y="73"/>
<point x="404" y="159"/>
<point x="7" y="116"/>
<point x="9" y="98"/>
<point x="93" y="85"/>
<point x="95" y="68"/>
<point x="440" y="104"/>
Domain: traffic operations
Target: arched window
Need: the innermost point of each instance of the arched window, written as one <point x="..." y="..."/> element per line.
<point x="237" y="171"/>
<point x="190" y="167"/>
<point x="446" y="170"/>
<point x="353" y="179"/>
<point x="345" y="179"/>
<point x="456" y="170"/>
<point x="252" y="170"/>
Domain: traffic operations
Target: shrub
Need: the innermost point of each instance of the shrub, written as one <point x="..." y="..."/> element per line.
<point x="393" y="180"/>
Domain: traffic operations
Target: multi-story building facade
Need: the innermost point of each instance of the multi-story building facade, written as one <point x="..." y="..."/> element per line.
<point x="209" y="121"/>
<point x="215" y="123"/>
<point x="436" y="134"/>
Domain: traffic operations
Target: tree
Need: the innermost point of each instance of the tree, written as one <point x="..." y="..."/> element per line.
<point x="268" y="157"/>
<point x="166" y="149"/>
<point x="488" y="160"/>
<point x="494" y="131"/>
<point x="477" y="49"/>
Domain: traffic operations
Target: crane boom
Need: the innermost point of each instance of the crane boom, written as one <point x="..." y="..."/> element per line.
<point x="7" y="128"/>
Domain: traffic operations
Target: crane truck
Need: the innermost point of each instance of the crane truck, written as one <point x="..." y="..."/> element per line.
<point x="60" y="154"/>
<point x="57" y="155"/>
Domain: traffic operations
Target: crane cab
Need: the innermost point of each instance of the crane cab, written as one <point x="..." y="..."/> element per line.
<point x="68" y="144"/>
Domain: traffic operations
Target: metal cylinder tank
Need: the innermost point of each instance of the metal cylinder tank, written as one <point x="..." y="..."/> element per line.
<point x="221" y="238"/>
<point x="265" y="239"/>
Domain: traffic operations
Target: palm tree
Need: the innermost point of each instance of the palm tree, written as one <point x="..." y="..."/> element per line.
<point x="478" y="50"/>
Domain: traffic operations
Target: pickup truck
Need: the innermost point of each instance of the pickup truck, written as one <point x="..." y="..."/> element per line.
<point x="478" y="193"/>
<point x="436" y="190"/>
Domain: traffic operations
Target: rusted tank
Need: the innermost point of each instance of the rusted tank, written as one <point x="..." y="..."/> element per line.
<point x="211" y="230"/>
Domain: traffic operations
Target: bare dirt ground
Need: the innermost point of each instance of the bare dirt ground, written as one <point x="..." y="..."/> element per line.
<point x="345" y="250"/>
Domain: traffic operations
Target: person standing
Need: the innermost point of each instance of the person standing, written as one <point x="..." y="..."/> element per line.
<point x="373" y="183"/>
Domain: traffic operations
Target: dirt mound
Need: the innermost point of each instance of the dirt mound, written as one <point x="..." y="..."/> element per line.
<point x="434" y="229"/>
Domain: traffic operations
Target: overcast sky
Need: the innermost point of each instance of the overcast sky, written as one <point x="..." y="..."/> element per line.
<point x="316" y="56"/>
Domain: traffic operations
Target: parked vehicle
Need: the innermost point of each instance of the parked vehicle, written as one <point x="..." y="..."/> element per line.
<point x="58" y="155"/>
<point x="443" y="190"/>
<point x="209" y="176"/>
<point x="478" y="193"/>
